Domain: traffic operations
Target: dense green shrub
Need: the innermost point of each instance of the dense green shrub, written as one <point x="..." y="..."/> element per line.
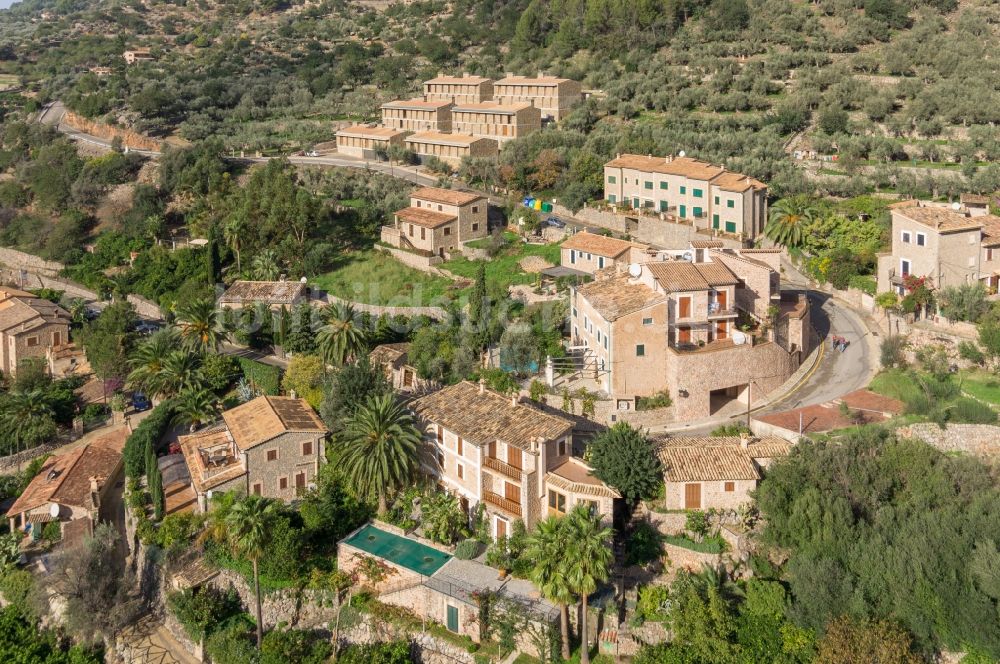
<point x="21" y="641"/>
<point x="232" y="642"/>
<point x="263" y="377"/>
<point x="644" y="545"/>
<point x="971" y="411"/>
<point x="283" y="646"/>
<point x="149" y="432"/>
<point x="201" y="611"/>
<point x="392" y="652"/>
<point x="18" y="588"/>
<point x="468" y="549"/>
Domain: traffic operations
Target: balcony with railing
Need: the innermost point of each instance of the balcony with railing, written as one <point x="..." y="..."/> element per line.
<point x="716" y="310"/>
<point x="502" y="467"/>
<point x="509" y="506"/>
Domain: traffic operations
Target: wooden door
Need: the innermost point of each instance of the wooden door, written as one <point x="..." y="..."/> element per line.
<point x="514" y="457"/>
<point x="491" y="450"/>
<point x="721" y="331"/>
<point x="720" y="298"/>
<point x="683" y="307"/>
<point x="501" y="528"/>
<point x="692" y="496"/>
<point x="684" y="335"/>
<point x="512" y="492"/>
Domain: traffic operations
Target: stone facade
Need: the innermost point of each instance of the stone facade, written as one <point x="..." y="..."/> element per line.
<point x="714" y="494"/>
<point x="660" y="229"/>
<point x="465" y="89"/>
<point x="451" y="148"/>
<point x="367" y="142"/>
<point x="501" y="123"/>
<point x="554" y="97"/>
<point x="29" y="328"/>
<point x="417" y="115"/>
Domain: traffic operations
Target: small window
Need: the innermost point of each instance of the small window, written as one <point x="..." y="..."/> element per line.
<point x="612" y="179"/>
<point x="411" y="230"/>
<point x="475" y="227"/>
<point x="475" y="209"/>
<point x="716" y="200"/>
<point x="906" y="237"/>
<point x="647" y="185"/>
<point x="440" y="209"/>
<point x="921" y="239"/>
<point x="258" y="489"/>
<point x="605" y="342"/>
<point x="663" y="185"/>
<point x="575" y="315"/>
<point x="647" y="321"/>
<point x="307" y="448"/>
<point x="447" y="230"/>
<point x="423" y="233"/>
<point x="282" y="483"/>
<point x="730" y="487"/>
<point x="730" y="204"/>
<point x="459" y="447"/>
<point x="440" y="434"/>
<point x="561" y="448"/>
<point x="590" y="504"/>
<point x="640" y="350"/>
<point x="272" y="455"/>
<point x="56" y="338"/>
<point x="612" y="199"/>
<point x="32" y="342"/>
<point x="698" y="193"/>
<point x="600" y="262"/>
<point x="989" y="254"/>
<point x="557" y="501"/>
<point x="418" y="203"/>
<point x="684" y="189"/>
<point x="461" y="471"/>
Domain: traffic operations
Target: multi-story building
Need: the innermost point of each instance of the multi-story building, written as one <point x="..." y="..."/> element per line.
<point x="451" y="148"/>
<point x="512" y="457"/>
<point x="671" y="326"/>
<point x="590" y="252"/>
<point x="709" y="196"/>
<point x="497" y="121"/>
<point x="417" y="115"/>
<point x="949" y="245"/>
<point x="29" y="328"/>
<point x="464" y="89"/>
<point x="270" y="446"/>
<point x="554" y="97"/>
<point x="367" y="142"/>
<point x="137" y="55"/>
<point x="437" y="221"/>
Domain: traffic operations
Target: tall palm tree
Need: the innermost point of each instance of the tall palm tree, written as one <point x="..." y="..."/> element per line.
<point x="547" y="548"/>
<point x="200" y="325"/>
<point x="588" y="558"/>
<point x="249" y="522"/>
<point x="181" y="371"/>
<point x="342" y="337"/>
<point x="788" y="220"/>
<point x="149" y="358"/>
<point x="28" y="417"/>
<point x="233" y="230"/>
<point x="194" y="407"/>
<point x="264" y="266"/>
<point x="379" y="448"/>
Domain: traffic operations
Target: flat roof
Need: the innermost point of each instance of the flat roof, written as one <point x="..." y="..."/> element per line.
<point x="421" y="104"/>
<point x="526" y="80"/>
<point x="457" y="80"/>
<point x="436" y="137"/>
<point x="491" y="107"/>
<point x="402" y="551"/>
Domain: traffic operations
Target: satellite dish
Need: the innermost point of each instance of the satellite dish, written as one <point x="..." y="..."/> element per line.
<point x="739" y="338"/>
<point x="54" y="510"/>
<point x="687" y="256"/>
<point x="635" y="270"/>
<point x="956" y="206"/>
<point x="303" y="280"/>
<point x="682" y="154"/>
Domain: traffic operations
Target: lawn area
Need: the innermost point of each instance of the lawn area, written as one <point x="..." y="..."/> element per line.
<point x="373" y="277"/>
<point x="707" y="545"/>
<point x="504" y="269"/>
<point x="897" y="384"/>
<point x="983" y="385"/>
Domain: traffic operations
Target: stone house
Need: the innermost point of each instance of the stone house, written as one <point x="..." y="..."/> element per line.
<point x="274" y="294"/>
<point x="367" y="142"/>
<point x="464" y="89"/>
<point x="71" y="487"/>
<point x="270" y="446"/>
<point x="948" y="245"/>
<point x="554" y="97"/>
<point x="417" y="115"/>
<point x="394" y="361"/>
<point x="497" y="121"/>
<point x="671" y="326"/>
<point x="437" y="221"/>
<point x="29" y="327"/>
<point x="590" y="252"/>
<point x="509" y="455"/>
<point x="708" y="196"/>
<point x="451" y="148"/>
<point x="715" y="472"/>
<point x="137" y="55"/>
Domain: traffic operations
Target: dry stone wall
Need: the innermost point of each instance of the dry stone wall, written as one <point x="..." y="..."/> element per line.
<point x="982" y="440"/>
<point x="101" y="130"/>
<point x="304" y="609"/>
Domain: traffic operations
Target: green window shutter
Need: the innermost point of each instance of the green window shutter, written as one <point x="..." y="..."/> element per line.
<point x="663" y="206"/>
<point x="683" y="189"/>
<point x="611" y="198"/>
<point x="715" y="221"/>
<point x="452" y="618"/>
<point x="697" y="193"/>
<point x="663" y="185"/>
<point x="612" y="179"/>
<point x="696" y="211"/>
<point x="730" y="204"/>
<point x="730" y="226"/>
<point x="716" y="200"/>
<point x="683" y="211"/>
<point x="647" y="184"/>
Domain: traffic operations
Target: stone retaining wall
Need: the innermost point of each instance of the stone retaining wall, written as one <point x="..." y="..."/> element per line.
<point x="416" y="261"/>
<point x="377" y="310"/>
<point x="18" y="460"/>
<point x="145" y="308"/>
<point x="303" y="609"/>
<point x="19" y="260"/>
<point x="129" y="138"/>
<point x="982" y="440"/>
<point x="650" y="229"/>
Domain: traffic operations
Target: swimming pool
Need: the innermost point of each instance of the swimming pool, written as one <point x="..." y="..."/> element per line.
<point x="404" y="552"/>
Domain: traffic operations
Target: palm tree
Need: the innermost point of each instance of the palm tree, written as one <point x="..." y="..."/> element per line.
<point x="588" y="557"/>
<point x="547" y="547"/>
<point x="249" y="523"/>
<point x="233" y="231"/>
<point x="200" y="325"/>
<point x="181" y="372"/>
<point x="788" y="220"/>
<point x="149" y="358"/>
<point x="195" y="407"/>
<point x="28" y="417"/>
<point x="379" y="448"/>
<point x="264" y="266"/>
<point x="341" y="338"/>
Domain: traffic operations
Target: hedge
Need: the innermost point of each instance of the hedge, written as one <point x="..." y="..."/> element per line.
<point x="265" y="378"/>
<point x="150" y="429"/>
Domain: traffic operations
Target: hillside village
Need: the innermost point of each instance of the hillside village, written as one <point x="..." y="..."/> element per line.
<point x="451" y="387"/>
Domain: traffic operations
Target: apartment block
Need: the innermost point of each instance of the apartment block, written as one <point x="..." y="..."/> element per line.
<point x="451" y="148"/>
<point x="512" y="457"/>
<point x="270" y="446"/>
<point x="554" y="97"/>
<point x="949" y="245"/>
<point x="671" y="326"/>
<point x="462" y="90"/>
<point x="709" y="196"/>
<point x="367" y="142"/>
<point x="417" y="115"/>
<point x="590" y="252"/>
<point x="437" y="221"/>
<point x="496" y="121"/>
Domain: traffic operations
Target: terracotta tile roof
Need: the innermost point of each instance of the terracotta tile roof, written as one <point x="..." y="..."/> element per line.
<point x="683" y="166"/>
<point x="19" y="308"/>
<point x="601" y="245"/>
<point x="676" y="276"/>
<point x="527" y="80"/>
<point x="453" y="80"/>
<point x="710" y="458"/>
<point x="210" y="457"/>
<point x="388" y="353"/>
<point x="576" y="477"/>
<point x="743" y="259"/>
<point x="991" y="229"/>
<point x="438" y="138"/>
<point x="761" y="250"/>
<point x="939" y="218"/>
<point x="899" y="205"/>
<point x="267" y="417"/>
<point x="707" y="244"/>
<point x="491" y="107"/>
<point x="417" y="104"/>
<point x="370" y="132"/>
<point x="268" y="292"/>
<point x="615" y="296"/>
<point x="973" y="199"/>
<point x="424" y="217"/>
<point x="446" y="196"/>
<point x="65" y="478"/>
<point x="483" y="416"/>
<point x="730" y="181"/>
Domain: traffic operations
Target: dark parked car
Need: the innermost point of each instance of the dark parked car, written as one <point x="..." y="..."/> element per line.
<point x="555" y="222"/>
<point x="140" y="402"/>
<point x="146" y="327"/>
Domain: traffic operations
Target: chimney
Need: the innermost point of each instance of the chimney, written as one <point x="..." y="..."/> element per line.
<point x="282" y="277"/>
<point x="482" y="386"/>
<point x="541" y="74"/>
<point x="292" y="394"/>
<point x="95" y="484"/>
<point x="515" y="399"/>
<point x="649" y="156"/>
<point x="744" y="440"/>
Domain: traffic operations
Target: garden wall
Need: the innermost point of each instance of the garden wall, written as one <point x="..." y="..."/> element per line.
<point x="377" y="310"/>
<point x="17" y="461"/>
<point x="302" y="609"/>
<point x="982" y="440"/>
<point x="145" y="308"/>
<point x="21" y="261"/>
<point x="651" y="230"/>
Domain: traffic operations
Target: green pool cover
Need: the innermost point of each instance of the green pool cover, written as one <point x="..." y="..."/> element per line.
<point x="414" y="556"/>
